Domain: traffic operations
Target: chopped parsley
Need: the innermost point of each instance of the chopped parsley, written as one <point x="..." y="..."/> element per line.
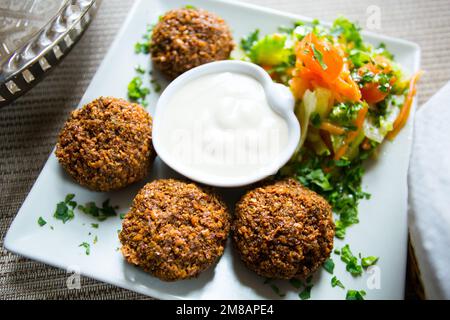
<point x="351" y="261"/>
<point x="336" y="283"/>
<point x="274" y="287"/>
<point x="87" y="247"/>
<point x="307" y="286"/>
<point x="381" y="49"/>
<point x="122" y="216"/>
<point x="355" y="295"/>
<point x="341" y="187"/>
<point x="247" y="42"/>
<point x="345" y="114"/>
<point x="64" y="209"/>
<point x="139" y="69"/>
<point x="94" y="225"/>
<point x="102" y="213"/>
<point x="156" y="85"/>
<point x="277" y="290"/>
<point x="381" y="79"/>
<point x="329" y="265"/>
<point x="348" y="32"/>
<point x="41" y="222"/>
<point x="296" y="283"/>
<point x="318" y="56"/>
<point x="306" y="293"/>
<point x="189" y="6"/>
<point x="95" y="240"/>
<point x="368" y="261"/>
<point x="144" y="46"/>
<point x="137" y="92"/>
<point x="315" y="119"/>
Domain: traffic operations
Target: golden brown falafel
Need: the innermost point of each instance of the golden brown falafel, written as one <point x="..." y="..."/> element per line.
<point x="186" y="38"/>
<point x="283" y="230"/>
<point x="174" y="230"/>
<point x="106" y="144"/>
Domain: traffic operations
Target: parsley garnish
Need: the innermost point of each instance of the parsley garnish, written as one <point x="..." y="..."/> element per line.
<point x="307" y="286"/>
<point x="329" y="265"/>
<point x="355" y="295"/>
<point x="64" y="209"/>
<point x="335" y="282"/>
<point x="95" y="240"/>
<point x="351" y="261"/>
<point x="189" y="6"/>
<point x="318" y="56"/>
<point x="156" y="85"/>
<point x="102" y="213"/>
<point x="87" y="247"/>
<point x="247" y="42"/>
<point x="306" y="293"/>
<point x="341" y="187"/>
<point x="94" y="225"/>
<point x="381" y="49"/>
<point x="137" y="92"/>
<point x="368" y="261"/>
<point x="41" y="222"/>
<point x="144" y="46"/>
<point x="139" y="69"/>
<point x="296" y="283"/>
<point x="315" y="119"/>
<point x="347" y="31"/>
<point x="345" y="114"/>
<point x="274" y="287"/>
<point x="122" y="216"/>
<point x="277" y="290"/>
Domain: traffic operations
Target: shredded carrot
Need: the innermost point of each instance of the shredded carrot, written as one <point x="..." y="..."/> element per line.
<point x="400" y="122"/>
<point x="353" y="134"/>
<point x="335" y="77"/>
<point x="332" y="128"/>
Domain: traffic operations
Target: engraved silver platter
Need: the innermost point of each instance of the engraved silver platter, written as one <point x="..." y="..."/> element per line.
<point x="35" y="35"/>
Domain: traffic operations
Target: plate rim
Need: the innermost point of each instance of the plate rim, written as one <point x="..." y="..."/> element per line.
<point x="149" y="291"/>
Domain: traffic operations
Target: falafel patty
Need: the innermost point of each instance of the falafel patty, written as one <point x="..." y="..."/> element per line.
<point x="106" y="144"/>
<point x="283" y="230"/>
<point x="186" y="38"/>
<point x="174" y="230"/>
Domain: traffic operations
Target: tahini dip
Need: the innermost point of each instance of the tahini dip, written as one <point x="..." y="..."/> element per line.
<point x="221" y="124"/>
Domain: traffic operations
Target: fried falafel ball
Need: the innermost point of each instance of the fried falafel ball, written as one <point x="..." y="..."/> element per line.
<point x="283" y="230"/>
<point x="107" y="144"/>
<point x="174" y="230"/>
<point x="186" y="38"/>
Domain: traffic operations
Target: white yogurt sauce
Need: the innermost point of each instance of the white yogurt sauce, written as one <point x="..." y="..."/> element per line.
<point x="221" y="125"/>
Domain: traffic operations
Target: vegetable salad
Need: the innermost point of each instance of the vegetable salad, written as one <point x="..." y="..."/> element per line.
<point x="350" y="95"/>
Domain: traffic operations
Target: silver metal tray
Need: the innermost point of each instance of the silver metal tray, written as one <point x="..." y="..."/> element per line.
<point x="35" y="35"/>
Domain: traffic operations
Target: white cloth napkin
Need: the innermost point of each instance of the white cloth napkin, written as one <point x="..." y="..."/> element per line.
<point x="429" y="194"/>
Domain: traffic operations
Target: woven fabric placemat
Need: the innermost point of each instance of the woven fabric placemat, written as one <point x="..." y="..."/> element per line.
<point x="29" y="126"/>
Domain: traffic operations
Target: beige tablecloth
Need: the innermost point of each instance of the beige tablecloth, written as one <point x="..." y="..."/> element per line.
<point x="28" y="127"/>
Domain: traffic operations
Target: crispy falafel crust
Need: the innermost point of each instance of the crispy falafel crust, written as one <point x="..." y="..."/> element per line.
<point x="186" y="38"/>
<point x="174" y="230"/>
<point x="283" y="230"/>
<point x="106" y="144"/>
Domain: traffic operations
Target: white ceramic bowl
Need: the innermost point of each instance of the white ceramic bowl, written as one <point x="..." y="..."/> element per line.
<point x="279" y="97"/>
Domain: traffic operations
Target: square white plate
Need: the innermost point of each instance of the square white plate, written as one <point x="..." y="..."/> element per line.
<point x="382" y="230"/>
